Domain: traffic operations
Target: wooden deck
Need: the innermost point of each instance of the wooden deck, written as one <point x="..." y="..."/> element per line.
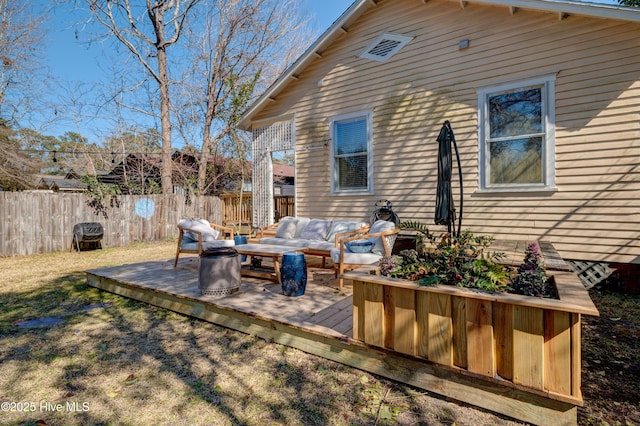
<point x="322" y="308"/>
<point x="320" y="322"/>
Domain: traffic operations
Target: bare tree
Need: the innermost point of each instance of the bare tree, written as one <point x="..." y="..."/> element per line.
<point x="20" y="37"/>
<point x="148" y="35"/>
<point x="242" y="46"/>
<point x="17" y="166"/>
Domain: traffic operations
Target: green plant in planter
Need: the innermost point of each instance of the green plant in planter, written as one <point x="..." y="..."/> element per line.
<point x="464" y="261"/>
<point x="531" y="279"/>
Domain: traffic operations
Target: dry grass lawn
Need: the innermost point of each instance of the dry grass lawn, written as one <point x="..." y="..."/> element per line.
<point x="110" y="360"/>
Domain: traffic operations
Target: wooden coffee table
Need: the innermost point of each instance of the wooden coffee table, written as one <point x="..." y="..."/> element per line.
<point x="272" y="251"/>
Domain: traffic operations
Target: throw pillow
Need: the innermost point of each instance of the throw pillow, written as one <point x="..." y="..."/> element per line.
<point x="380" y="226"/>
<point x="302" y="223"/>
<point x="359" y="246"/>
<point x="286" y="228"/>
<point x="340" y="226"/>
<point x="202" y="226"/>
<point x="316" y="230"/>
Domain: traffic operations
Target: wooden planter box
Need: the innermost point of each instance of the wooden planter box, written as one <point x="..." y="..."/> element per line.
<point x="520" y="341"/>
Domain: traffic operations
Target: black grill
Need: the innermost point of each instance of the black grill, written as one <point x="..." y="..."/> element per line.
<point x="87" y="235"/>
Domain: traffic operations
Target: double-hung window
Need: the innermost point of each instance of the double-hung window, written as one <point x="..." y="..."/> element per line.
<point x="516" y="135"/>
<point x="351" y="154"/>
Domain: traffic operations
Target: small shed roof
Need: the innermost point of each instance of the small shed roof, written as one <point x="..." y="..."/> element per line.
<point x="562" y="7"/>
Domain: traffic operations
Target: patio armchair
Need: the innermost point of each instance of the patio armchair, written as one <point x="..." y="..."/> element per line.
<point x="198" y="235"/>
<point x="382" y="234"/>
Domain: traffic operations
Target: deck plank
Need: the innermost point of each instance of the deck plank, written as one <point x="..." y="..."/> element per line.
<point x="345" y="327"/>
<point x="334" y="314"/>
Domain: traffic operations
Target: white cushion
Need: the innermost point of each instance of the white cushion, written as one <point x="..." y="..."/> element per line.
<point x="317" y="229"/>
<point x="380" y="226"/>
<point x="200" y="225"/>
<point x="293" y="242"/>
<point x="302" y="223"/>
<point x="287" y="228"/>
<point x="298" y="243"/>
<point x="340" y="226"/>
<point x="320" y="245"/>
<point x="354" y="258"/>
<point x="193" y="246"/>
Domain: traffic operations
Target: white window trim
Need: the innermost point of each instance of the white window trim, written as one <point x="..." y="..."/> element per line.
<point x="333" y="172"/>
<point x="548" y="149"/>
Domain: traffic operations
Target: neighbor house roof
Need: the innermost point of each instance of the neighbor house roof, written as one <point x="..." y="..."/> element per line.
<point x="62" y="184"/>
<point x="283" y="170"/>
<point x="341" y="26"/>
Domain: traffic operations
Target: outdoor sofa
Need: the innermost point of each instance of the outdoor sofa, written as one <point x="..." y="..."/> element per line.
<point x="336" y="239"/>
<point x="318" y="236"/>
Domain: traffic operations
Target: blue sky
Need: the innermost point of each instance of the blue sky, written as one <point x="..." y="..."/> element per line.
<point x="74" y="60"/>
<point x="74" y="63"/>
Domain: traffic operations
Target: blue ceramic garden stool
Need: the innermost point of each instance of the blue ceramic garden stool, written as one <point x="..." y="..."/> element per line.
<point x="238" y="240"/>
<point x="293" y="274"/>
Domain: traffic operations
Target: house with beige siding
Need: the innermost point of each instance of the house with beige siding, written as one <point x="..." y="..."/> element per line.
<point x="543" y="98"/>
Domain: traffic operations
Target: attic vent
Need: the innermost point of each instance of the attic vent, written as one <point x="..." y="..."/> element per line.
<point x="385" y="46"/>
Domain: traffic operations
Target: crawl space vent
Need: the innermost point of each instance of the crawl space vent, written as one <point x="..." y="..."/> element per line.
<point x="385" y="46"/>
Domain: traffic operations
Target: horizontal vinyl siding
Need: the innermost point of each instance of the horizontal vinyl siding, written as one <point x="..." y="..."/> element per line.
<point x="594" y="214"/>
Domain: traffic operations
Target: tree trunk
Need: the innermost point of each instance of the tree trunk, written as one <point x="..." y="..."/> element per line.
<point x="166" y="170"/>
<point x="204" y="157"/>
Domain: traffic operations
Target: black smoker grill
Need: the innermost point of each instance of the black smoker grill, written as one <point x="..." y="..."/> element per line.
<point x="87" y="235"/>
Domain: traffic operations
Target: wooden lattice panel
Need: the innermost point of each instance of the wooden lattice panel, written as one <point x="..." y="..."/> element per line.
<point x="277" y="136"/>
<point x="590" y="273"/>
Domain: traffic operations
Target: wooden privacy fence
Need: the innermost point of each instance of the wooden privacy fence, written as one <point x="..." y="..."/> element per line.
<point x="34" y="222"/>
<point x="284" y="206"/>
<point x="239" y="212"/>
